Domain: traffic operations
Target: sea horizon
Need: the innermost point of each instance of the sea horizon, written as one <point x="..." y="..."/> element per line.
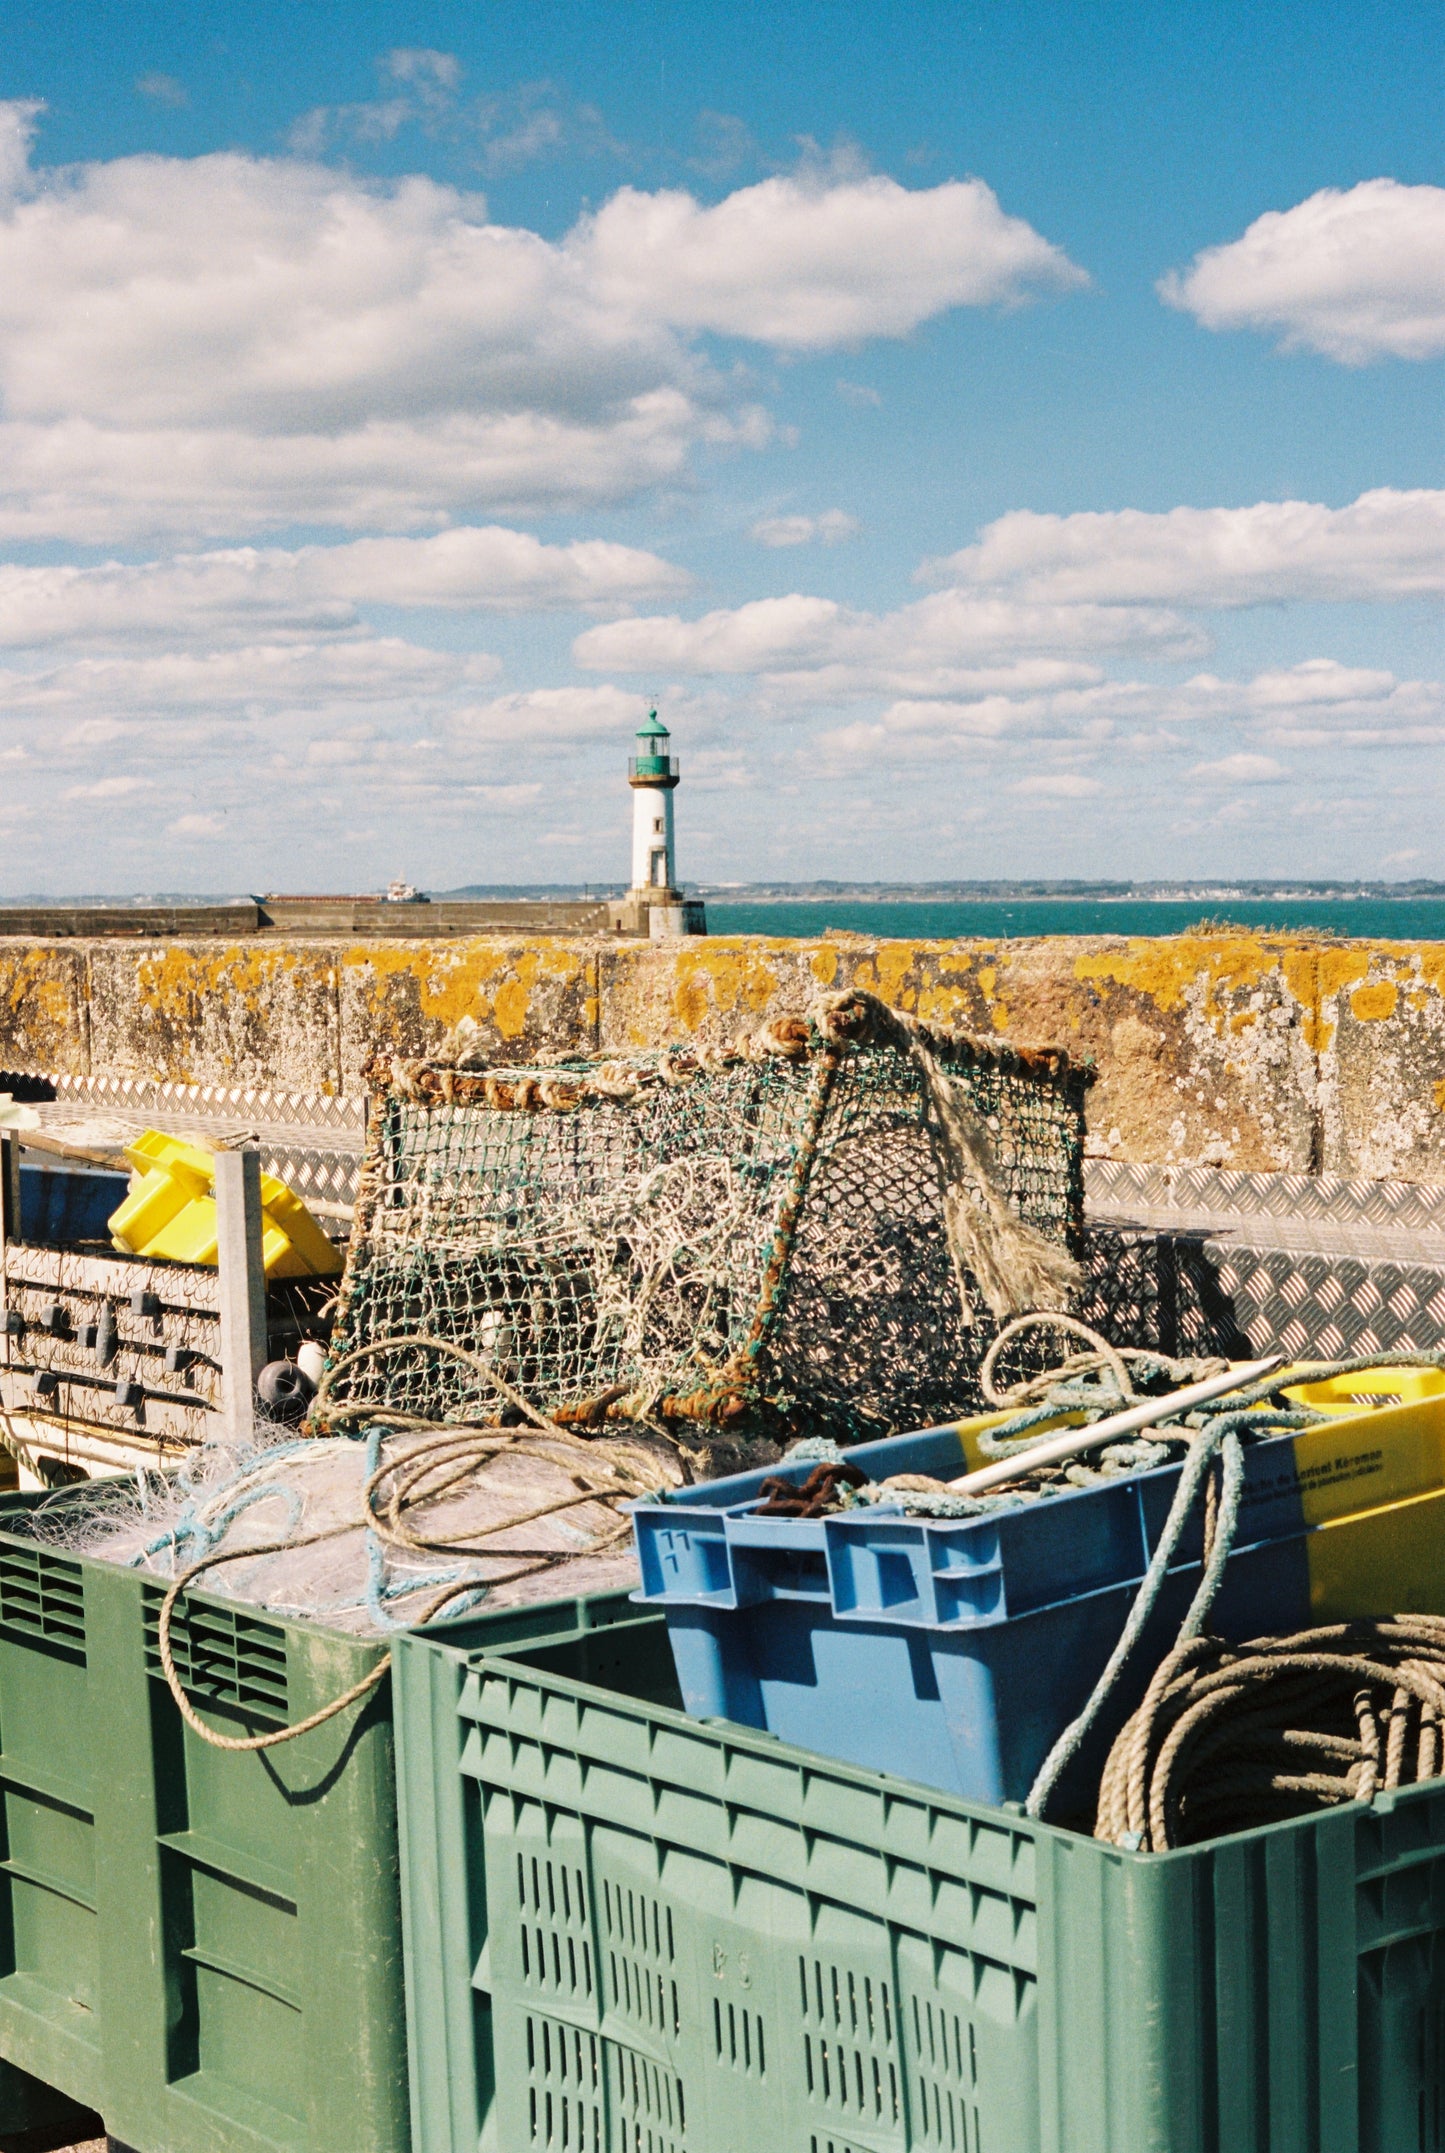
<point x="989" y="911"/>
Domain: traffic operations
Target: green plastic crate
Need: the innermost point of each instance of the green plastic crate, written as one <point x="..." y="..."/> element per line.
<point x="632" y="1932"/>
<point x="204" y="1947"/>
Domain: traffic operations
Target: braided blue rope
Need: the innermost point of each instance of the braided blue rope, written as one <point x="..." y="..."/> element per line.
<point x="199" y="1539"/>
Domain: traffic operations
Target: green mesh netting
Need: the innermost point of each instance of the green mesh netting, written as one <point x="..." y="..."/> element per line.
<point x="753" y="1238"/>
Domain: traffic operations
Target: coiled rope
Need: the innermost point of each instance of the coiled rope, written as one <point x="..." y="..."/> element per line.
<point x="1229" y="1735"/>
<point x="1250" y="1416"/>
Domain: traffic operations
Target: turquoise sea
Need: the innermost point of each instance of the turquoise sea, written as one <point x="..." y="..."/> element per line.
<point x="1394" y="919"/>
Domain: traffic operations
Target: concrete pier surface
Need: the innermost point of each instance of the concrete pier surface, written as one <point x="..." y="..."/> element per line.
<point x="58" y="2142"/>
<point x="1258" y="1052"/>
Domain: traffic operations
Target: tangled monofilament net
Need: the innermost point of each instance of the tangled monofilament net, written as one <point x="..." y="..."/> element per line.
<point x="375" y="1535"/>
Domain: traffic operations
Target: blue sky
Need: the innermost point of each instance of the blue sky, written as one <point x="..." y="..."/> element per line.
<point x="1005" y="440"/>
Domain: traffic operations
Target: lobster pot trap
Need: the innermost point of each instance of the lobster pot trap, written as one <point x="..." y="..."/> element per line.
<point x="811" y="1231"/>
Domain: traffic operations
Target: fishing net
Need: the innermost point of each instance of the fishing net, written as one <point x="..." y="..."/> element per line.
<point x="808" y="1230"/>
<point x="372" y="1536"/>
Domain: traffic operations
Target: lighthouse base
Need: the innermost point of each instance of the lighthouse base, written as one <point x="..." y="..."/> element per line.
<point x="655" y="912"/>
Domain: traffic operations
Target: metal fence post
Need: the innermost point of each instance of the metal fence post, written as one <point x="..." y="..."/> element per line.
<point x="242" y="1286"/>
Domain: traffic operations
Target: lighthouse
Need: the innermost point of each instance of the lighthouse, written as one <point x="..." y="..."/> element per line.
<point x="652" y="773"/>
<point x="654" y="905"/>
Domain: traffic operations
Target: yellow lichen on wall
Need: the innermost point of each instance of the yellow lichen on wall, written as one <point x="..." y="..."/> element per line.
<point x="405" y="997"/>
<point x="1336" y="969"/>
<point x="1198" y="1042"/>
<point x="890" y="974"/>
<point x="700" y="988"/>
<point x="1252" y="1051"/>
<point x="43" y="1018"/>
<point x="1170" y="972"/>
<point x="1373" y="1004"/>
<point x="1198" y="1051"/>
<point x="1381" y="1055"/>
<point x="211" y="1012"/>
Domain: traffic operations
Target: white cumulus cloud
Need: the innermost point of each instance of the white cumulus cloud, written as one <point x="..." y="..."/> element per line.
<point x="1060" y="785"/>
<point x="1317" y="704"/>
<point x="246" y="591"/>
<point x="18" y="116"/>
<point x="828" y="529"/>
<point x="807" y="263"/>
<point x="1321" y="703"/>
<point x="808" y="643"/>
<point x="1356" y="274"/>
<point x="544" y="714"/>
<point x="1240" y="769"/>
<point x="1387" y="544"/>
<point x="373" y="669"/>
<point x="227" y="342"/>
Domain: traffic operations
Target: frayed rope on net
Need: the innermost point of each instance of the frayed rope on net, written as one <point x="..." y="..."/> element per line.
<point x="674" y="1234"/>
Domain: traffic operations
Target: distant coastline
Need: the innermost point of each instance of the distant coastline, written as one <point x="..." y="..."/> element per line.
<point x="970" y="911"/>
<point x="1061" y="891"/>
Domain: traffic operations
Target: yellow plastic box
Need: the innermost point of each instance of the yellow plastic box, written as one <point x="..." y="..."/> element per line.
<point x="170" y="1213"/>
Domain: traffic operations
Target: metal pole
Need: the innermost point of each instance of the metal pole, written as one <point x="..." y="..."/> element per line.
<point x="242" y="1286"/>
<point x="10" y="1187"/>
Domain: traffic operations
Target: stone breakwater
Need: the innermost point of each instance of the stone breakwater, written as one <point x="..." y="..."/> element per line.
<point x="1257" y="1052"/>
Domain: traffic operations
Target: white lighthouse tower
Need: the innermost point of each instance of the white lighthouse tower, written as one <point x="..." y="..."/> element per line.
<point x="653" y="775"/>
<point x="654" y="905"/>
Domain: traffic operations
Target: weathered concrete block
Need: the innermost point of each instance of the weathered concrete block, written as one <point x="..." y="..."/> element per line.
<point x="1380" y="1039"/>
<point x="526" y="994"/>
<point x="44" y="1024"/>
<point x="1201" y="1043"/>
<point x="1249" y="1051"/>
<point x="211" y="1012"/>
<point x="706" y="989"/>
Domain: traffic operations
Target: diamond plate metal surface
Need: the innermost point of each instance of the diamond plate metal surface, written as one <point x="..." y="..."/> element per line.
<point x="145" y="1099"/>
<point x="332" y="1175"/>
<point x="1110" y="1187"/>
<point x="1189" y="1293"/>
<point x="311" y="1142"/>
<point x="230" y="1102"/>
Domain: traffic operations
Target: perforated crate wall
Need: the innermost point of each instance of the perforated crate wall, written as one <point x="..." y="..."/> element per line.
<point x="629" y="1929"/>
<point x="202" y="1946"/>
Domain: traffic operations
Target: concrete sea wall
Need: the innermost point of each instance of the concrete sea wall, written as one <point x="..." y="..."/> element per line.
<point x="1257" y="1052"/>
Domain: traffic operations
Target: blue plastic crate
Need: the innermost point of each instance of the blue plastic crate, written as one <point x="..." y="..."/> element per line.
<point x="60" y="1204"/>
<point x="956" y="1651"/>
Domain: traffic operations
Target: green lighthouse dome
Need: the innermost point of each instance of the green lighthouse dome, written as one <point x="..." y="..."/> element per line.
<point x="652" y="765"/>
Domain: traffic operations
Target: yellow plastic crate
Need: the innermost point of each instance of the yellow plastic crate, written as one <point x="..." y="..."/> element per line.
<point x="1370" y="1390"/>
<point x="170" y="1213"/>
<point x="1368" y="1486"/>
